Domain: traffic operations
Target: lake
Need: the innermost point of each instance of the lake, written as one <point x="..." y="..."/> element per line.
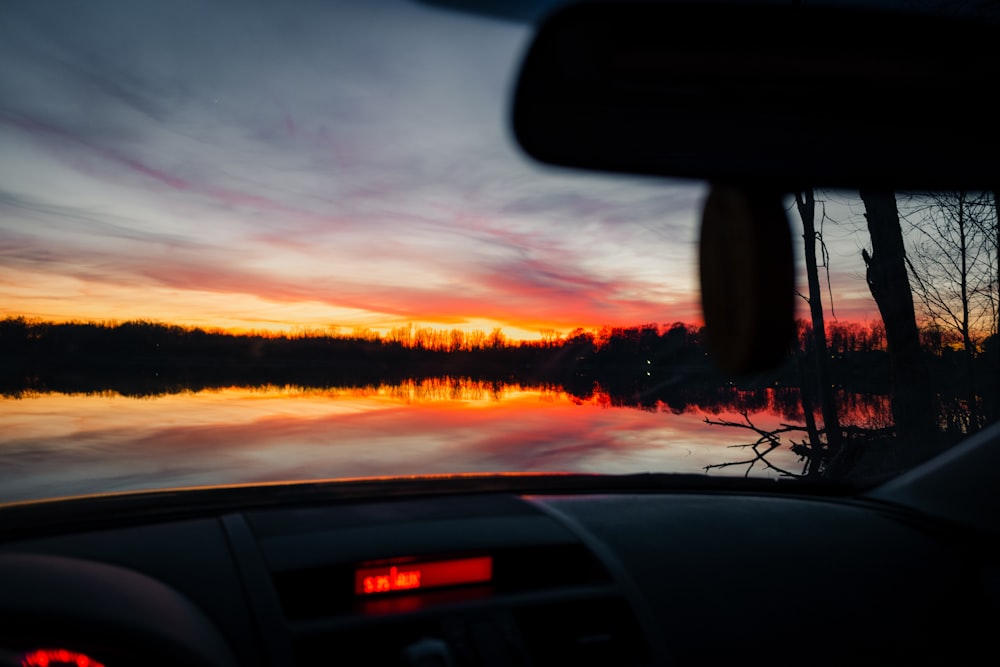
<point x="54" y="444"/>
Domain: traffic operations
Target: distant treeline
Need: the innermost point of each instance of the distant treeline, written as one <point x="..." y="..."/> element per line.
<point x="140" y="346"/>
<point x="45" y="356"/>
<point x="649" y="366"/>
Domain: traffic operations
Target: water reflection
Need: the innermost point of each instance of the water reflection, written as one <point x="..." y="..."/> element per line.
<point x="60" y="444"/>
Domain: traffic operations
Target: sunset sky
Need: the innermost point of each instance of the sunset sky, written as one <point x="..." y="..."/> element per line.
<point x="280" y="166"/>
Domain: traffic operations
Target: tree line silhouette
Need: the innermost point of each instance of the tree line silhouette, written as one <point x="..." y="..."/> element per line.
<point x="650" y="366"/>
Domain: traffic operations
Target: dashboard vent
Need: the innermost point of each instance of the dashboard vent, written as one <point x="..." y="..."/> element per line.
<point x="598" y="631"/>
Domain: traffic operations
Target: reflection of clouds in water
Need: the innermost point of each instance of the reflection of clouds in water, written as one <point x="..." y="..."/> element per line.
<point x="97" y="444"/>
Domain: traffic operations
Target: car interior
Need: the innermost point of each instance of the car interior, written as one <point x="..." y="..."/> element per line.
<point x="576" y="569"/>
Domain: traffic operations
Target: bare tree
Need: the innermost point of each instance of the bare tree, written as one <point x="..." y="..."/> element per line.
<point x="913" y="404"/>
<point x="996" y="261"/>
<point x="805" y="202"/>
<point x="952" y="265"/>
<point x="952" y="261"/>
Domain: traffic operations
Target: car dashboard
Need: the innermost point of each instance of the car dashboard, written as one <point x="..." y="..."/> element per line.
<point x="521" y="570"/>
<point x="598" y="576"/>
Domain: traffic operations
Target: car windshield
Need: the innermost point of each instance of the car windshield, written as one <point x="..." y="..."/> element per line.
<point x="253" y="242"/>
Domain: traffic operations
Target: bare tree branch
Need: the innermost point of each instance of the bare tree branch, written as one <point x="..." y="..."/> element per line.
<point x="770" y="438"/>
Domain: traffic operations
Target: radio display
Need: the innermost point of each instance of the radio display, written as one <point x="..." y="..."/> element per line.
<point x="415" y="575"/>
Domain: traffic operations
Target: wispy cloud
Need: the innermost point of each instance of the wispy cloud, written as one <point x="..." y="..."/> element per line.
<point x="332" y="160"/>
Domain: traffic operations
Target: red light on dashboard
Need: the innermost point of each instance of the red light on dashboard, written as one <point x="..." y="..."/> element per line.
<point x="404" y="576"/>
<point x="58" y="657"/>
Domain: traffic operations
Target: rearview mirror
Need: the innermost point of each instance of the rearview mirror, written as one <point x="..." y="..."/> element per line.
<point x="780" y="95"/>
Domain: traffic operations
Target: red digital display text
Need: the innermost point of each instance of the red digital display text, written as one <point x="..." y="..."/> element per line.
<point x="57" y="657"/>
<point x="405" y="576"/>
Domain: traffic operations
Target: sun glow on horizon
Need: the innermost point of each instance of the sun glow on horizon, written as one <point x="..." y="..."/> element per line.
<point x="266" y="197"/>
<point x="510" y="333"/>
